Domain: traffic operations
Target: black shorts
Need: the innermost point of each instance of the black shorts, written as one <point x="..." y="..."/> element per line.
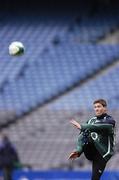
<point x="90" y="151"/>
<point x="98" y="162"/>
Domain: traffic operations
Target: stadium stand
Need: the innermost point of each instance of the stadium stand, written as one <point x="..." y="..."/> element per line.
<point x="49" y="126"/>
<point x="92" y="28"/>
<point x="99" y="86"/>
<point x="29" y="28"/>
<point x="54" y="73"/>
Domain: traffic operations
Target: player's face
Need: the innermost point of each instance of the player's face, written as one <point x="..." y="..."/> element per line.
<point x="99" y="109"/>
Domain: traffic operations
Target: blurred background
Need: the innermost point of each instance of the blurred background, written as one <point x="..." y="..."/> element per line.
<point x="71" y="58"/>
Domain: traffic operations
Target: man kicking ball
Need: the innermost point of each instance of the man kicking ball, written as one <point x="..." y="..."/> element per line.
<point x="96" y="139"/>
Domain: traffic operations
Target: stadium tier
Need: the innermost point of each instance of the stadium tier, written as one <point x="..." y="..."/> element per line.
<point x="35" y="31"/>
<point x="91" y="90"/>
<point x="48" y="127"/>
<point x="52" y="73"/>
<point x="85" y="29"/>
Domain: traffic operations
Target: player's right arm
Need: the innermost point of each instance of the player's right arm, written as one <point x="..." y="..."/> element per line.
<point x="107" y="126"/>
<point x="75" y="123"/>
<point x="97" y="127"/>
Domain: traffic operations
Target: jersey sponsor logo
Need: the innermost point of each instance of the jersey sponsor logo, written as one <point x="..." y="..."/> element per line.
<point x="94" y="135"/>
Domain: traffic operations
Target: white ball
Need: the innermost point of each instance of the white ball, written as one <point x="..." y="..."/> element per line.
<point x="16" y="48"/>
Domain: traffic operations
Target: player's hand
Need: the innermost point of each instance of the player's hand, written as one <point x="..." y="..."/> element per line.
<point x="75" y="123"/>
<point x="74" y="155"/>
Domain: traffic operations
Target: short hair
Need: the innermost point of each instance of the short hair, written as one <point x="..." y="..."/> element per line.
<point x="101" y="101"/>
